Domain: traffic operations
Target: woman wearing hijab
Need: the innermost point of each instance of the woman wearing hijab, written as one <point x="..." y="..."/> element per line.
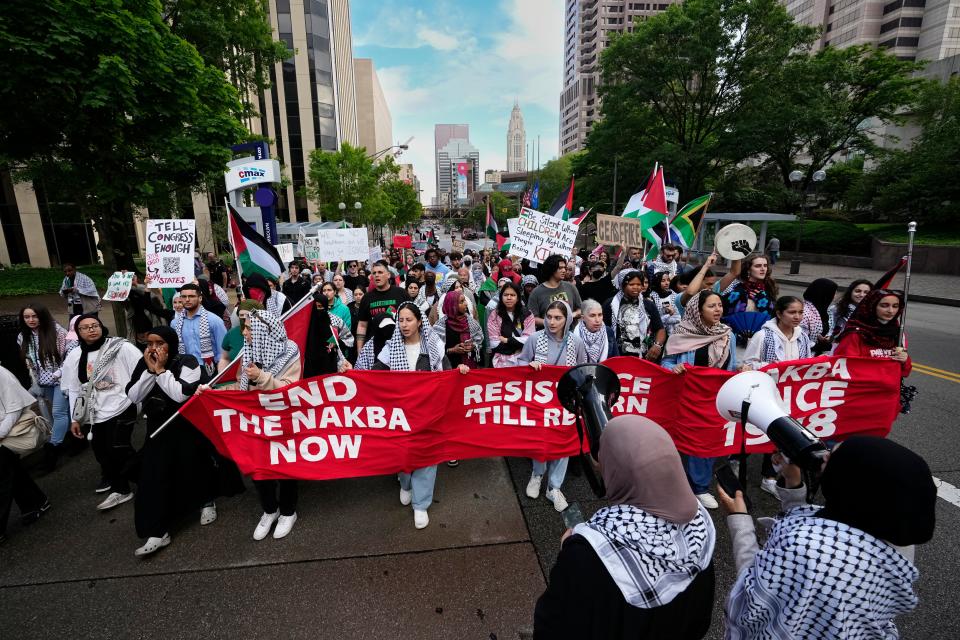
<point x="177" y="472"/>
<point x="701" y="340"/>
<point x="662" y="296"/>
<point x="816" y="318"/>
<point x="844" y="570"/>
<point x="509" y="327"/>
<point x="257" y="288"/>
<point x="43" y="345"/>
<point x="874" y="330"/>
<point x="15" y="483"/>
<point x="322" y="352"/>
<point x="843" y="310"/>
<point x="505" y="270"/>
<point x="96" y="376"/>
<point x="461" y="335"/>
<point x="270" y="361"/>
<point x="414" y="347"/>
<point x="555" y="345"/>
<point x="528" y="283"/>
<point x="598" y="339"/>
<point x="634" y="319"/>
<point x="642" y="567"/>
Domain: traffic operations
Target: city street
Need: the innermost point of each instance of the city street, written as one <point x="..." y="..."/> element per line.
<point x="355" y="567"/>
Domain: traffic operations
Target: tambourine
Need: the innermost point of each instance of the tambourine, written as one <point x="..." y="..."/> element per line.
<point x="735" y="241"/>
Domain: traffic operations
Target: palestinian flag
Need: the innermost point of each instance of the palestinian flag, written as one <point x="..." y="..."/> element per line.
<point x="492" y="229"/>
<point x="432" y="239"/>
<point x="650" y="207"/>
<point x="562" y="207"/>
<point x="887" y="279"/>
<point x="583" y="216"/>
<point x="503" y="242"/>
<point x="683" y="229"/>
<point x="252" y="251"/>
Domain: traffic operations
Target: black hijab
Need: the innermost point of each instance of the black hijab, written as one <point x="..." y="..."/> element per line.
<point x="85" y="348"/>
<point x="318" y="357"/>
<point x="169" y="335"/>
<point x="881" y="487"/>
<point x="820" y="294"/>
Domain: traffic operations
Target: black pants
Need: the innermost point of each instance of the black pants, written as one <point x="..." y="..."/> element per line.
<point x="268" y="490"/>
<point x="766" y="468"/>
<point x="112" y="448"/>
<point x="16" y="484"/>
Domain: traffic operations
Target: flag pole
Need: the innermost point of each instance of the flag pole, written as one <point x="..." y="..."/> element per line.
<point x="911" y="230"/>
<point x="219" y="374"/>
<point x="233" y="245"/>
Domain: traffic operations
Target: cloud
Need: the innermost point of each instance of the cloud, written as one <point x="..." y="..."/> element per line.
<point x="438" y="39"/>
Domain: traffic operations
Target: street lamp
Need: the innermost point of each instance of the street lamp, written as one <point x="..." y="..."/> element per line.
<point x="796" y="177"/>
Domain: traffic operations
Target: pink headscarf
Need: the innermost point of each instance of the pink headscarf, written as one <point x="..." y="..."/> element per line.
<point x="505" y="270"/>
<point x="456" y="321"/>
<point x="641" y="467"/>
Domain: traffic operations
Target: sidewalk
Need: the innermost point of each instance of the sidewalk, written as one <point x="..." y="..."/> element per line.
<point x="933" y="288"/>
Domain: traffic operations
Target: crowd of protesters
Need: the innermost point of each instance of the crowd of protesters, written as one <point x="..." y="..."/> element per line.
<point x="641" y="567"/>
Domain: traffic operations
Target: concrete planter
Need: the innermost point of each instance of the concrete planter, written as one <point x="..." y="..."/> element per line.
<point x="926" y="258"/>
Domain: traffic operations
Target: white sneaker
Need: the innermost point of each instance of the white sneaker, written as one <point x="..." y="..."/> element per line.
<point x="708" y="500"/>
<point x="284" y="525"/>
<point x="420" y="519"/>
<point x="770" y="486"/>
<point x="533" y="487"/>
<point x="556" y="497"/>
<point x="263" y="527"/>
<point x="405" y="497"/>
<point x="114" y="499"/>
<point x="208" y="515"/>
<point x="152" y="546"/>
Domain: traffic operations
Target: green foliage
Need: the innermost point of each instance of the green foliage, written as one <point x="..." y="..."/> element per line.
<point x="821" y="236"/>
<point x="503" y="208"/>
<point x="23" y="280"/>
<point x="925" y="235"/>
<point x="107" y="106"/>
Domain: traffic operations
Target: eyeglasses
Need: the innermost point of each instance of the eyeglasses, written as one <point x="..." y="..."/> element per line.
<point x="88" y="328"/>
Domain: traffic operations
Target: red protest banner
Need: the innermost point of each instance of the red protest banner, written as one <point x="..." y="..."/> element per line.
<point x="402" y="242"/>
<point x="380" y="422"/>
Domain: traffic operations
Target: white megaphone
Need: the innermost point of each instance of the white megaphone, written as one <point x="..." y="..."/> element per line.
<point x="752" y="397"/>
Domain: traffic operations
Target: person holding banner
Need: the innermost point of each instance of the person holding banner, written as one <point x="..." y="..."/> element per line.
<point x="270" y="361"/>
<point x="199" y="331"/>
<point x="554" y="345"/>
<point x="461" y="334"/>
<point x="843" y="310"/>
<point x="701" y="340"/>
<point x="598" y="339"/>
<point x="643" y="566"/>
<point x="177" y="470"/>
<point x="509" y="327"/>
<point x="816" y="317"/>
<point x="634" y="319"/>
<point x="414" y="347"/>
<point x="874" y="330"/>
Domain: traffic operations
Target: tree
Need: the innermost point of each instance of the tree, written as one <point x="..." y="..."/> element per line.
<point x="105" y="104"/>
<point x="402" y="202"/>
<point x="816" y="106"/>
<point x="348" y="176"/>
<point x="921" y="183"/>
<point x="503" y="208"/>
<point x="678" y="87"/>
<point x="554" y="178"/>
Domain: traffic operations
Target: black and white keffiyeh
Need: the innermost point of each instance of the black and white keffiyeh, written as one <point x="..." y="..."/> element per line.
<point x="268" y="348"/>
<point x="821" y="579"/>
<point x="542" y="348"/>
<point x="203" y="329"/>
<point x="394" y="353"/>
<point x="651" y="559"/>
<point x="595" y="342"/>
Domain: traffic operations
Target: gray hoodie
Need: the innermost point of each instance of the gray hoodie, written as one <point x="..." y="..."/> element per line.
<point x="555" y="348"/>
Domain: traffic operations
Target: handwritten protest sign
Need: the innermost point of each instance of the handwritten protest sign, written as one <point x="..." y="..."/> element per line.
<point x="538" y="235"/>
<point x="286" y="252"/>
<point x="376" y="253"/>
<point x="311" y="248"/>
<point x="343" y="244"/>
<point x="118" y="286"/>
<point x="458" y="245"/>
<point x="170" y="245"/>
<point x="618" y="231"/>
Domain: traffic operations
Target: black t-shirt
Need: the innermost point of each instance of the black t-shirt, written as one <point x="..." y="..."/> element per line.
<point x="217" y="269"/>
<point x="376" y="303"/>
<point x="352" y="282"/>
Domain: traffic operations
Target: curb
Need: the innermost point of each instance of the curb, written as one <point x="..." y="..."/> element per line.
<point x="914" y="297"/>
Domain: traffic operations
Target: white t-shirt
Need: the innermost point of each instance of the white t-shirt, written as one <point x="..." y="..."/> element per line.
<point x="413" y="354"/>
<point x="111" y="397"/>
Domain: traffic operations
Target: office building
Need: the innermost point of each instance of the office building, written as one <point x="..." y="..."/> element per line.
<point x="587" y="28"/>
<point x="452" y="147"/>
<point x="516" y="141"/>
<point x="374" y="124"/>
<point x="408" y="176"/>
<point x="910" y="29"/>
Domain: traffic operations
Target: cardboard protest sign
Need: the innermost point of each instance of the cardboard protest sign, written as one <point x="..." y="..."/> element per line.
<point x="539" y="235"/>
<point x="170" y="245"/>
<point x="286" y="252"/>
<point x="618" y="231"/>
<point x="458" y="245"/>
<point x="337" y="245"/>
<point x="311" y="248"/>
<point x="118" y="286"/>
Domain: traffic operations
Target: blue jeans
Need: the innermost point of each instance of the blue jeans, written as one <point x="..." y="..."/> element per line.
<point x="556" y="471"/>
<point x="699" y="473"/>
<point x="421" y="482"/>
<point x="60" y="420"/>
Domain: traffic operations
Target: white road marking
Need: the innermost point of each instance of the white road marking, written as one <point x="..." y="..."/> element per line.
<point x="947" y="491"/>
